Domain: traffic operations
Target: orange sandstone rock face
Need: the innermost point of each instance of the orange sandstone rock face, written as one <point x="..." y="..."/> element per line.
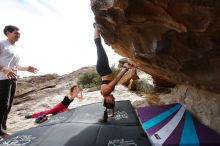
<point x="174" y="41"/>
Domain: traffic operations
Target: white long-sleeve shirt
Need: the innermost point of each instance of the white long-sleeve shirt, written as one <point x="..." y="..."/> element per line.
<point x="8" y="57"/>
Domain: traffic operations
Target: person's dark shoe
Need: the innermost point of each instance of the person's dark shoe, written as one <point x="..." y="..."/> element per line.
<point x="40" y="119"/>
<point x="5" y="136"/>
<point x="28" y="116"/>
<point x="96" y="25"/>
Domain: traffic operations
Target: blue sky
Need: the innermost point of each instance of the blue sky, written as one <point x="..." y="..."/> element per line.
<point x="56" y="36"/>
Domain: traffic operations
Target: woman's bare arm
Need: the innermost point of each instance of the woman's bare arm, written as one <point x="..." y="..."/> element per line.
<point x="108" y="88"/>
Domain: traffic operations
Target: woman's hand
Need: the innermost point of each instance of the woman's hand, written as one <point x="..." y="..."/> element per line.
<point x="79" y="93"/>
<point x="32" y="69"/>
<point x="132" y="63"/>
<point x="8" y="72"/>
<point x="126" y="65"/>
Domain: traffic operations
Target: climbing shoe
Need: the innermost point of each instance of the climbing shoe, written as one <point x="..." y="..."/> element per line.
<point x="28" y="116"/>
<point x="41" y="119"/>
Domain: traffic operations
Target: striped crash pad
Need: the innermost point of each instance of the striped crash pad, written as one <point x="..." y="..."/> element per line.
<point x="80" y="127"/>
<point x="173" y="125"/>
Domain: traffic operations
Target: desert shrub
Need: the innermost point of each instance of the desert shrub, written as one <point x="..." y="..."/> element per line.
<point x="89" y="79"/>
<point x="92" y="78"/>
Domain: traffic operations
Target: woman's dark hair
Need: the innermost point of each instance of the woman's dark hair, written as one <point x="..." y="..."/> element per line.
<point x="10" y="28"/>
<point x="72" y="88"/>
<point x="107" y="106"/>
<point x="105" y="116"/>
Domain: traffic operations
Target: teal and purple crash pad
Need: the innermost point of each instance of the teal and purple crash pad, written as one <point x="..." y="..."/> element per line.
<point x="174" y="125"/>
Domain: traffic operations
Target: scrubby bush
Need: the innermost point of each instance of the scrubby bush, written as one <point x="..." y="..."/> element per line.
<point x="89" y="79"/>
<point x="92" y="78"/>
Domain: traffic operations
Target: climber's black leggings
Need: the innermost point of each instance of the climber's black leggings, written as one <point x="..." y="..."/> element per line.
<point x="102" y="65"/>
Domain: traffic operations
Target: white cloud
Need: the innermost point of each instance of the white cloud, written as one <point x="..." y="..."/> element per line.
<point x="56" y="36"/>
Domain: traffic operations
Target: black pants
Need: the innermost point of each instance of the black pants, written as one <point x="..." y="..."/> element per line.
<point x="7" y="93"/>
<point x="102" y="65"/>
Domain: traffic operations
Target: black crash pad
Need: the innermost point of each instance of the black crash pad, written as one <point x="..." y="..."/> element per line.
<point x="79" y="127"/>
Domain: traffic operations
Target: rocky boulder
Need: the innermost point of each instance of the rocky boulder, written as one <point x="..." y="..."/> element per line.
<point x="174" y="41"/>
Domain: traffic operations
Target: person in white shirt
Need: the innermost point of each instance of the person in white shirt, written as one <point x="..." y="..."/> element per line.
<point x="9" y="64"/>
